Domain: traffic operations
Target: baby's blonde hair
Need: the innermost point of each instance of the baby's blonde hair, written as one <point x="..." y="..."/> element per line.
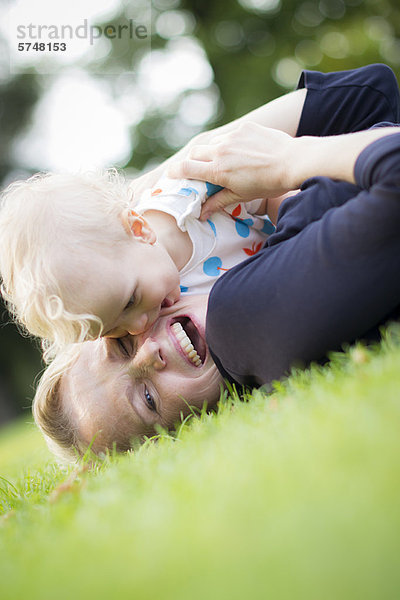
<point x="50" y="212"/>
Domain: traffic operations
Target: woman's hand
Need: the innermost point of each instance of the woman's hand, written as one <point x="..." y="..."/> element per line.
<point x="254" y="161"/>
<point x="249" y="162"/>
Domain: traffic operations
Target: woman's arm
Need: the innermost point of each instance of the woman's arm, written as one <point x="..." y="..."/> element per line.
<point x="333" y="156"/>
<point x="336" y="103"/>
<point x="324" y="104"/>
<point x="254" y="161"/>
<point x="329" y="275"/>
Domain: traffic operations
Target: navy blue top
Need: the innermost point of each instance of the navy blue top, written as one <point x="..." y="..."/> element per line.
<point x="348" y="101"/>
<point x="330" y="272"/>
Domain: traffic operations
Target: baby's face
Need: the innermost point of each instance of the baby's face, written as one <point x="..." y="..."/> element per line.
<point x="126" y="286"/>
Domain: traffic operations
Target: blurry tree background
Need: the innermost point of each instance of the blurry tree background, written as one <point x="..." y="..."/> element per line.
<point x="209" y="62"/>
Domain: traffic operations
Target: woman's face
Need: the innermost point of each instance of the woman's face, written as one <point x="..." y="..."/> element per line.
<point x="121" y="388"/>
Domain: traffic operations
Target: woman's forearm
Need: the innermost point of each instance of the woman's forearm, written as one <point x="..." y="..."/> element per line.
<point x="333" y="156"/>
<point x="283" y="113"/>
<point x="258" y="162"/>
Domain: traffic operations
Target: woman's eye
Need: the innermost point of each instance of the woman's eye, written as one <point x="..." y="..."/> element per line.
<point x="149" y="399"/>
<point x="124" y="346"/>
<point x="130" y="302"/>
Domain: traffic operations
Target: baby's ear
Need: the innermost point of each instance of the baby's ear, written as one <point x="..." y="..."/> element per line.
<point x="137" y="226"/>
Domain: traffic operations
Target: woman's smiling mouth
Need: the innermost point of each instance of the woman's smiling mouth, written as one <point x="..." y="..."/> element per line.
<point x="188" y="339"/>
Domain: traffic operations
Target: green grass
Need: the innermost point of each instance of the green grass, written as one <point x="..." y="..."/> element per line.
<point x="295" y="495"/>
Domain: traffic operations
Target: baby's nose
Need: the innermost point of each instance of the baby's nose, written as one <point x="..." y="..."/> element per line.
<point x="137" y="325"/>
<point x="132" y="326"/>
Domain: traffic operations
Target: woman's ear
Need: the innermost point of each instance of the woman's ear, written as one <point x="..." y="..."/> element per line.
<point x="137" y="226"/>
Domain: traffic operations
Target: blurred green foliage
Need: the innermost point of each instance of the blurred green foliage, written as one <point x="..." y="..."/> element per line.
<point x="256" y="49"/>
<point x="19" y="358"/>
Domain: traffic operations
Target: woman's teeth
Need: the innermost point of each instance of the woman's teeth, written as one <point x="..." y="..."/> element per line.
<point x="186" y="344"/>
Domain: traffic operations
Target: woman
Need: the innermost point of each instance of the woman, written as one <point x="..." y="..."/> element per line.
<point x="308" y="291"/>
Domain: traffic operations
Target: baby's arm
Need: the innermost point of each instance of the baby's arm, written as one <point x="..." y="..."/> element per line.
<point x="270" y="206"/>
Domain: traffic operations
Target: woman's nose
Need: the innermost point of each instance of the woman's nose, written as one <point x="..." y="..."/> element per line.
<point x="148" y="357"/>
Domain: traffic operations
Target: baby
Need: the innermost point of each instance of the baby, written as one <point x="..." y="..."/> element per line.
<point x="80" y="258"/>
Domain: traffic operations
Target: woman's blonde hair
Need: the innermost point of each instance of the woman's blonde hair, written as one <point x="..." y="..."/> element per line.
<point x="43" y="218"/>
<point x="49" y="411"/>
<point x="55" y="416"/>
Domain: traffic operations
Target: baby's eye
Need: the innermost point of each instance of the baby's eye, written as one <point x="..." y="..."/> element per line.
<point x="130" y="302"/>
<point x="149" y="399"/>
